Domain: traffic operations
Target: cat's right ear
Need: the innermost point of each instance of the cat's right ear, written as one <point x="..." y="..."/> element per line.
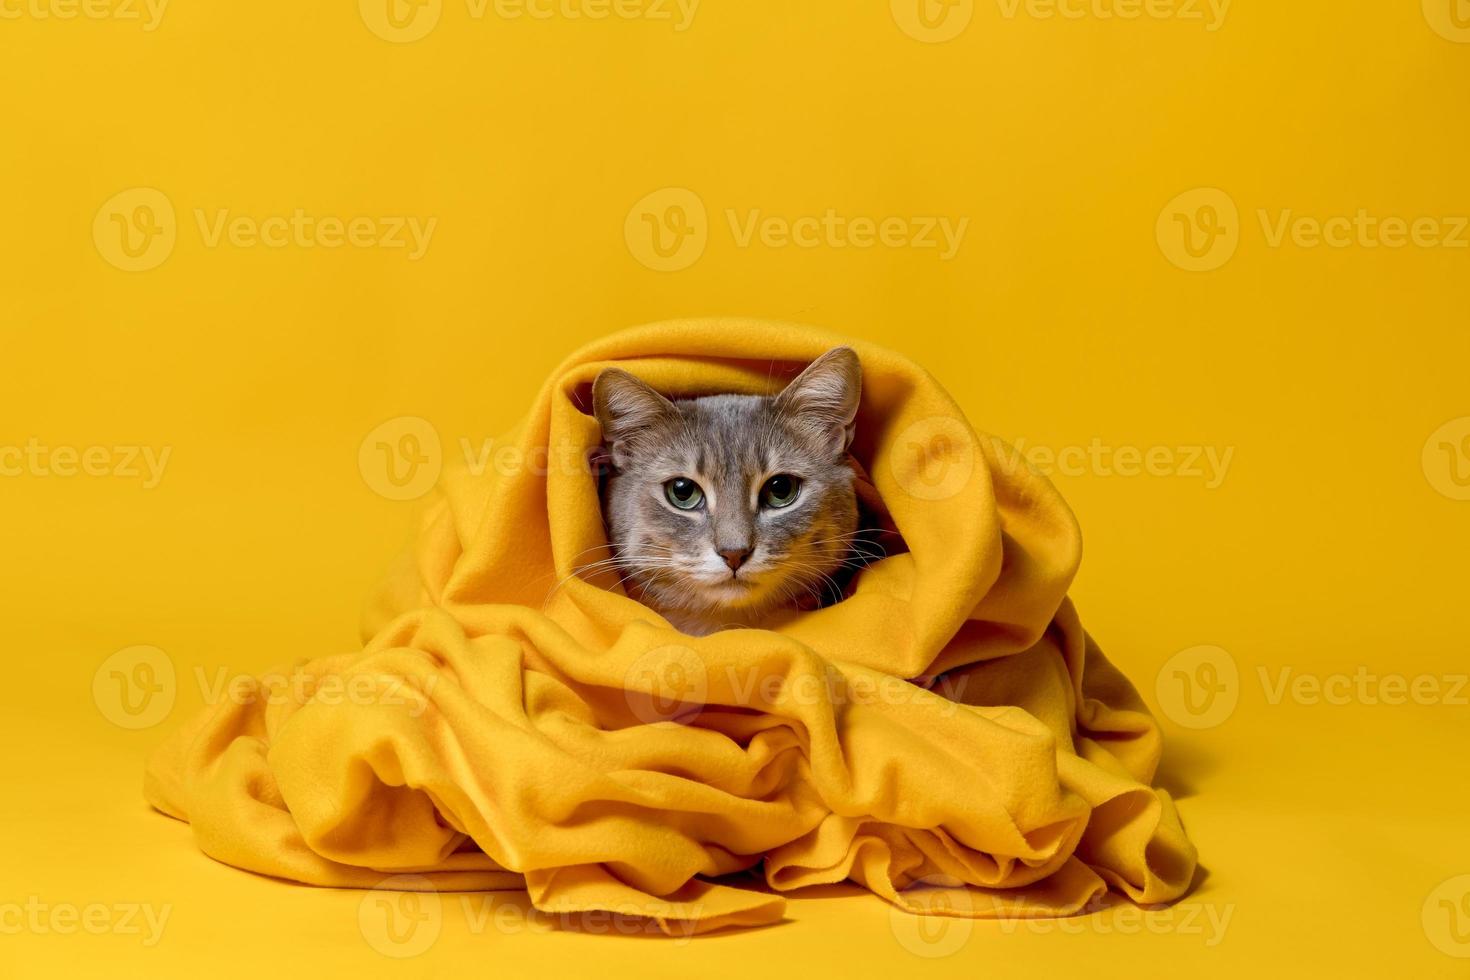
<point x="626" y="408"/>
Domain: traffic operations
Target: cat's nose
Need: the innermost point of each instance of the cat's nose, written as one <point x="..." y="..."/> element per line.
<point x="734" y="557"/>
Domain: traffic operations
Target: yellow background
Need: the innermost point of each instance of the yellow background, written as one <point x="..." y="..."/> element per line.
<point x="1334" y="543"/>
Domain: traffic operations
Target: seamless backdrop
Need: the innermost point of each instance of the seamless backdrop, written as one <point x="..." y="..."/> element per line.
<point x="265" y="266"/>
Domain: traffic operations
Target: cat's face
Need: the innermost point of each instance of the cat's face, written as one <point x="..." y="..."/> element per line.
<point x="725" y="507"/>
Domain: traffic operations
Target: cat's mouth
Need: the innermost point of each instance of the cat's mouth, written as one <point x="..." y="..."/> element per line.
<point x="733" y="587"/>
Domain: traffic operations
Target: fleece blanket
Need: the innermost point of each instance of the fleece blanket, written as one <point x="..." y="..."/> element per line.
<point x="947" y="736"/>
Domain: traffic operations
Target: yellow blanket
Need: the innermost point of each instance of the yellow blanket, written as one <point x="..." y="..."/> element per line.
<point x="947" y="736"/>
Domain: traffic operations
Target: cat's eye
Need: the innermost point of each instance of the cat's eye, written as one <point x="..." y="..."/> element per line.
<point x="683" y="493"/>
<point x="780" y="490"/>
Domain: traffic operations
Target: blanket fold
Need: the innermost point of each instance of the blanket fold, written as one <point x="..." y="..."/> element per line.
<point x="513" y="721"/>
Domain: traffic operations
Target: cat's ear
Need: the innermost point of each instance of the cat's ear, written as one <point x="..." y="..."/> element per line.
<point x="627" y="408"/>
<point x="823" y="399"/>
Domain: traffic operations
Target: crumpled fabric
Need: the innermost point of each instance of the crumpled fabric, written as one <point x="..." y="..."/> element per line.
<point x="511" y="722"/>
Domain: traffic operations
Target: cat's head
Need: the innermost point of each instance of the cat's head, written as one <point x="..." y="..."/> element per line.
<point x="731" y="504"/>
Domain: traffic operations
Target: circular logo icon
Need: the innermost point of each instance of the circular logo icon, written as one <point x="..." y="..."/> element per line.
<point x="1450" y="19"/>
<point x="934" y="458"/>
<point x="667" y="230"/>
<point x="135" y="687"/>
<point x="400" y="21"/>
<point x="1446" y="917"/>
<point x="668" y="683"/>
<point x="932" y="21"/>
<point x="943" y="919"/>
<point x="135" y="230"/>
<point x="401" y="459"/>
<point x="401" y="916"/>
<point x="1198" y="687"/>
<point x="1199" y="230"/>
<point x="1446" y="459"/>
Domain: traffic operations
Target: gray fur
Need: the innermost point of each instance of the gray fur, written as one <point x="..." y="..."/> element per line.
<point x="730" y="445"/>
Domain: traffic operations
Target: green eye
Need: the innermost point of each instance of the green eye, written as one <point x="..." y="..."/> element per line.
<point x="683" y="493"/>
<point x="780" y="491"/>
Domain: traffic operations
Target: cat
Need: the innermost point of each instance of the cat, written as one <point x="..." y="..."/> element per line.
<point x="725" y="510"/>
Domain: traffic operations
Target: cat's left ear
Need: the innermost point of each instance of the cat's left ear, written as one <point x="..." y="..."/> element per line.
<point x="823" y="399"/>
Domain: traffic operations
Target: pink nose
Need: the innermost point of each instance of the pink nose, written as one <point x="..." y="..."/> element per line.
<point x="734" y="557"/>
